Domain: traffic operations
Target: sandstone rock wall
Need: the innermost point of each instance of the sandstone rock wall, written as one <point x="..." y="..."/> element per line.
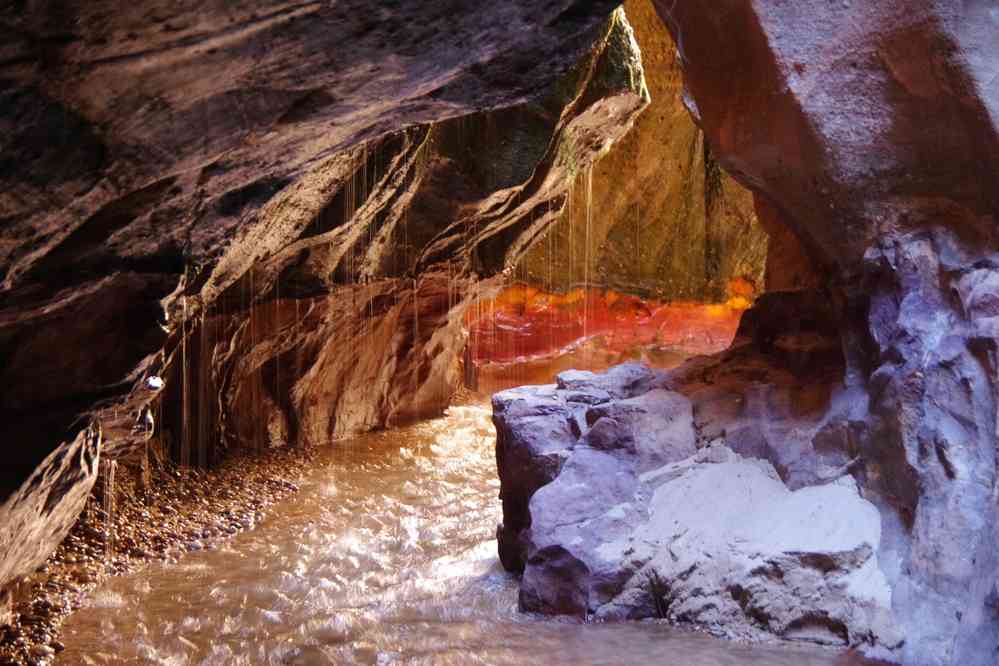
<point x="871" y="130"/>
<point x="656" y="215"/>
<point x="141" y="143"/>
<point x="357" y="323"/>
<point x="188" y="188"/>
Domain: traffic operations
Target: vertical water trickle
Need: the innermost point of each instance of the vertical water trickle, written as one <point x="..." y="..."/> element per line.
<point x="571" y="277"/>
<point x="276" y="327"/>
<point x="185" y="392"/>
<point x="254" y="385"/>
<point x="298" y="370"/>
<point x="638" y="246"/>
<point x="203" y="413"/>
<point x="586" y="257"/>
<point x="108" y="468"/>
<point x="416" y="332"/>
<point x="491" y="322"/>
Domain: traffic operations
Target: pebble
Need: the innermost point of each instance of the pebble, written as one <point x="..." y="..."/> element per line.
<point x="41" y="652"/>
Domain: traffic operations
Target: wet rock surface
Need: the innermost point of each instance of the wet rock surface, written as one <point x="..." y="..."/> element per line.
<point x="296" y="271"/>
<point x="632" y="521"/>
<point x="155" y="154"/>
<point x="656" y="215"/>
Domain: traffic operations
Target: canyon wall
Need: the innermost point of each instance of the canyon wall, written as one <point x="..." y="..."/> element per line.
<point x="357" y="323"/>
<point x="870" y="130"/>
<point x="656" y="216"/>
<point x="254" y="203"/>
<point x="141" y="143"/>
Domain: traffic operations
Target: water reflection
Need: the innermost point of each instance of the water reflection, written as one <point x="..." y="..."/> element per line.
<point x="386" y="556"/>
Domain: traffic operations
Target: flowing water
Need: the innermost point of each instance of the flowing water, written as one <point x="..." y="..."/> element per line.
<point x="387" y="555"/>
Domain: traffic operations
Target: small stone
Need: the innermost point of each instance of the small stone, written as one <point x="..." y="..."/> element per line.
<point x="41" y="652"/>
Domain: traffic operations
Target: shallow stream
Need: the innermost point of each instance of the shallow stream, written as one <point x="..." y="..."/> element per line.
<point x="387" y="555"/>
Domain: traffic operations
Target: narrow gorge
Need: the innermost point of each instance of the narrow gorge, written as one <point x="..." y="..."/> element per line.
<point x="524" y="332"/>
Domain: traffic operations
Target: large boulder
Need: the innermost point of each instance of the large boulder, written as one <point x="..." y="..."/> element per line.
<point x="40" y="513"/>
<point x="643" y="518"/>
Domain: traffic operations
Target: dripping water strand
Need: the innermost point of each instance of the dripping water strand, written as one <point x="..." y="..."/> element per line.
<point x="203" y="388"/>
<point x="185" y="428"/>
<point x="108" y="472"/>
<point x="586" y="256"/>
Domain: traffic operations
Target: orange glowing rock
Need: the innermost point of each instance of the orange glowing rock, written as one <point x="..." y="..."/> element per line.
<point x="741" y="287"/>
<point x="525" y="323"/>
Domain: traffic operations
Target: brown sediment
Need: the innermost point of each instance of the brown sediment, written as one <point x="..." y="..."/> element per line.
<point x="175" y="511"/>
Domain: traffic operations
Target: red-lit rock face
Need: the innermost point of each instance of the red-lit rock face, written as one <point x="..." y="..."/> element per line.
<point x="524" y="323"/>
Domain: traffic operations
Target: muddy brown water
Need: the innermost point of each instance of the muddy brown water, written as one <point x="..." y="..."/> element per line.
<point x="387" y="555"/>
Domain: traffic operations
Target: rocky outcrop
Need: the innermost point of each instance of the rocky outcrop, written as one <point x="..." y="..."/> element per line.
<point x="276" y="210"/>
<point x="615" y="507"/>
<point x="656" y="215"/>
<point x="870" y="130"/>
<point x="36" y="517"/>
<point x="794" y="424"/>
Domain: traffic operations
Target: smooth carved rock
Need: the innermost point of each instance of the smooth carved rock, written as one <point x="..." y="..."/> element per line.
<point x="357" y="323"/>
<point x="157" y="152"/>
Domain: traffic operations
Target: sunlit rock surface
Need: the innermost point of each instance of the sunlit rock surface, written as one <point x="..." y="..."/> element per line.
<point x="524" y="322"/>
<point x="656" y="216"/>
